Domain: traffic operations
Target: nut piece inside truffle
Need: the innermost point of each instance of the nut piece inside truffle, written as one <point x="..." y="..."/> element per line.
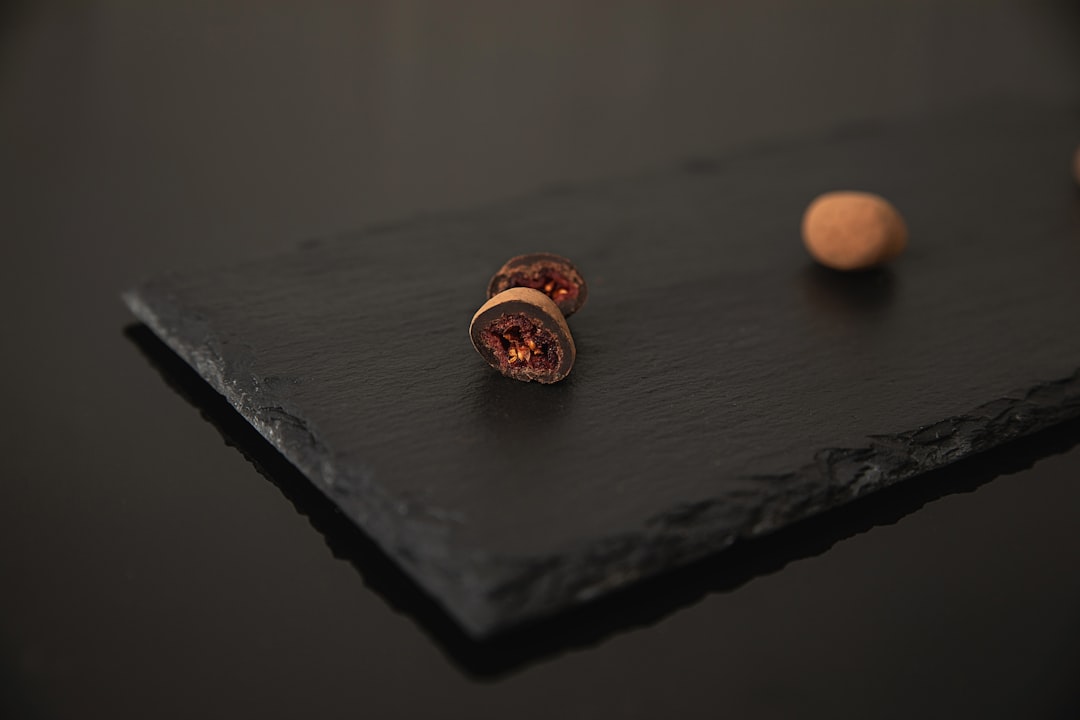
<point x="551" y="274"/>
<point x="517" y="339"/>
<point x="522" y="334"/>
<point x="853" y="230"/>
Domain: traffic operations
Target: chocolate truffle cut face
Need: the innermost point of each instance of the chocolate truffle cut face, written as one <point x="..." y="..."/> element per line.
<point x="521" y="333"/>
<point x="520" y="343"/>
<point x="551" y="274"/>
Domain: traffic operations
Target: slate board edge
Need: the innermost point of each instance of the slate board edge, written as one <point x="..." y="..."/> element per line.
<point x="453" y="584"/>
<point x="488" y="594"/>
<point x="835" y="477"/>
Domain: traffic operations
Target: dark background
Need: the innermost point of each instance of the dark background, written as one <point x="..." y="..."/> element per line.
<point x="147" y="569"/>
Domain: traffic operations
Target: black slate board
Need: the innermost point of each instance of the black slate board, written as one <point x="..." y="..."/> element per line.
<point x="725" y="386"/>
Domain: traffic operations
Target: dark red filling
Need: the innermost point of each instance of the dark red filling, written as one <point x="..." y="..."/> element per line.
<point x="548" y="281"/>
<point x="521" y="344"/>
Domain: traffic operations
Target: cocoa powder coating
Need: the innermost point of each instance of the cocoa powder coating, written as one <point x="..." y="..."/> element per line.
<point x="849" y="230"/>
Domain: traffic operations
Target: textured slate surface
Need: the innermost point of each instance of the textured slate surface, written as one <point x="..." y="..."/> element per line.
<point x="725" y="387"/>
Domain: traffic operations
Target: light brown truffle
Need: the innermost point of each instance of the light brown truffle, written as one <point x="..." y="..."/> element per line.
<point x="848" y="230"/>
<point x="522" y="333"/>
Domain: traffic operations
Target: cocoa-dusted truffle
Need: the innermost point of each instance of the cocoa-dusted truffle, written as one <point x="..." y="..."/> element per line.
<point x="522" y="333"/>
<point x="849" y="230"/>
<point x="553" y="275"/>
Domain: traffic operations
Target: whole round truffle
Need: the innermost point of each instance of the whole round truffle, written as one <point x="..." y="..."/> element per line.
<point x="849" y="230"/>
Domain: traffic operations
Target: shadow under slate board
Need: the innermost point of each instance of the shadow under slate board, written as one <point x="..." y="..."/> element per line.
<point x="725" y="387"/>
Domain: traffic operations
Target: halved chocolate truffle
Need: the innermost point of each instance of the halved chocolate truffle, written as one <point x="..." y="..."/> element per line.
<point x="551" y="274"/>
<point x="522" y="333"/>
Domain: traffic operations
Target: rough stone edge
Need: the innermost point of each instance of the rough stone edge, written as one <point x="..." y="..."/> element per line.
<point x="835" y="477"/>
<point x="488" y="594"/>
<point x="456" y="585"/>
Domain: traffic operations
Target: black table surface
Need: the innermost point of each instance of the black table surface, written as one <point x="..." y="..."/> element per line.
<point x="147" y="567"/>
